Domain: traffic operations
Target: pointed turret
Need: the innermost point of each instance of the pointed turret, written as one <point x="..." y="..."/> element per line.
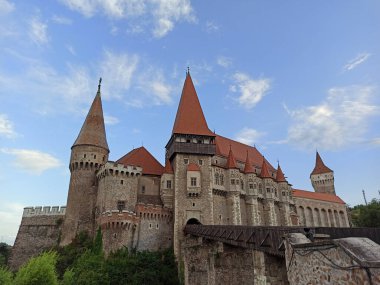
<point x="93" y="131"/>
<point x="190" y="118"/>
<point x="248" y="166"/>
<point x="280" y="177"/>
<point x="231" y="162"/>
<point x="320" y="167"/>
<point x="264" y="170"/>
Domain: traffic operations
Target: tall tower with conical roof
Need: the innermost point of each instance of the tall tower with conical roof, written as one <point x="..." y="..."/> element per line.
<point x="322" y="177"/>
<point x="89" y="151"/>
<point x="189" y="151"/>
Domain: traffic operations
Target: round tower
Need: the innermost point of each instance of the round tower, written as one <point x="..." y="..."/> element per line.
<point x="322" y="177"/>
<point x="89" y="151"/>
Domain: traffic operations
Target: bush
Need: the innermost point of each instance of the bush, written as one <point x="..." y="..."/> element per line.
<point x="6" y="276"/>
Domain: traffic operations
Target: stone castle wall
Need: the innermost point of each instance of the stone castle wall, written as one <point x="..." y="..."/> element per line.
<point x="39" y="230"/>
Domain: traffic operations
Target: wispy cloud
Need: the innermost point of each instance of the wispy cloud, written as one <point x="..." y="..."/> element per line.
<point x="211" y="26"/>
<point x="224" y="61"/>
<point x="248" y="136"/>
<point x="6" y="127"/>
<point x="71" y="49"/>
<point x="359" y="59"/>
<point x="38" y="31"/>
<point x="6" y="7"/>
<point x="110" y="120"/>
<point x="61" y="20"/>
<point x="164" y="13"/>
<point x="251" y="90"/>
<point x="338" y="121"/>
<point x="32" y="161"/>
<point x="375" y="141"/>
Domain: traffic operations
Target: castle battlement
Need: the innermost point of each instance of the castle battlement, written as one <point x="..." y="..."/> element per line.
<point x="44" y="211"/>
<point x="112" y="168"/>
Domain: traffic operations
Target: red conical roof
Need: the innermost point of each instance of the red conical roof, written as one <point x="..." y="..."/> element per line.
<point x="264" y="170"/>
<point x="168" y="167"/>
<point x="231" y="162"/>
<point x="248" y="166"/>
<point x="280" y="177"/>
<point x="190" y="118"/>
<point x="93" y="131"/>
<point x="143" y="158"/>
<point x="320" y="167"/>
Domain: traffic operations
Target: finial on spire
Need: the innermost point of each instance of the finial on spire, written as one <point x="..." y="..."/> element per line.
<point x="188" y="71"/>
<point x="100" y="84"/>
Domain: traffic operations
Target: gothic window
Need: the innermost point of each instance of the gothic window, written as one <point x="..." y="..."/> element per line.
<point x="260" y="188"/>
<point x="217" y="178"/>
<point x="169" y="184"/>
<point x="193" y="181"/>
<point x="268" y="190"/>
<point x="250" y="186"/>
<point x="221" y="179"/>
<point x="242" y="184"/>
<point x="120" y="205"/>
<point x="142" y="189"/>
<point x="232" y="181"/>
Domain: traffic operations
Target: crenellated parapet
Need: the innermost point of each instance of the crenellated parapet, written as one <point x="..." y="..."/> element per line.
<point x="44" y="211"/>
<point x="118" y="220"/>
<point x="117" y="169"/>
<point x="150" y="211"/>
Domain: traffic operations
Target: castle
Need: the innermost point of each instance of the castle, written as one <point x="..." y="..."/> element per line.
<point x="207" y="179"/>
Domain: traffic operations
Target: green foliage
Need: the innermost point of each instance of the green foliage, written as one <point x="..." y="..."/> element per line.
<point x="68" y="277"/>
<point x="39" y="270"/>
<point x="6" y="276"/>
<point x="5" y="251"/>
<point x="366" y="215"/>
<point x="90" y="269"/>
<point x="98" y="242"/>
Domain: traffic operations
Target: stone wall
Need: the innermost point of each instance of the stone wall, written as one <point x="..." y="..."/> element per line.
<point x="352" y="261"/>
<point x="39" y="230"/>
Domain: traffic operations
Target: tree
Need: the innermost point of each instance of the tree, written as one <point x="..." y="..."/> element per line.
<point x="39" y="270"/>
<point x="5" y="276"/>
<point x="366" y="215"/>
<point x="5" y="251"/>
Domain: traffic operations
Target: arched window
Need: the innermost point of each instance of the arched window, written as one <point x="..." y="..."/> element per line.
<point x="217" y="178"/>
<point x="221" y="179"/>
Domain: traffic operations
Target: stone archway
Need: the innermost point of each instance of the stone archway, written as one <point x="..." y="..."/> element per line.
<point x="193" y="221"/>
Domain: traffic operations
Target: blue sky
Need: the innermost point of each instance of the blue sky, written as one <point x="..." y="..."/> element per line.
<point x="288" y="76"/>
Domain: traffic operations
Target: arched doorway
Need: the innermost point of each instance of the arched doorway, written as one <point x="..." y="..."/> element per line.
<point x="193" y="221"/>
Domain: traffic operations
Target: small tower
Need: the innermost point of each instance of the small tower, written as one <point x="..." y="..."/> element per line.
<point x="235" y="183"/>
<point x="322" y="177"/>
<point x="88" y="153"/>
<point x="270" y="216"/>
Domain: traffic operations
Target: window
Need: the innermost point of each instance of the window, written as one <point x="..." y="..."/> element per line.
<point x="217" y="178"/>
<point x="193" y="204"/>
<point x="283" y="193"/>
<point x="232" y="181"/>
<point x="94" y="156"/>
<point x="150" y="226"/>
<point x="200" y="162"/>
<point x="169" y="184"/>
<point x="186" y="161"/>
<point x="221" y="179"/>
<point x="187" y="141"/>
<point x="120" y="205"/>
<point x="199" y="141"/>
<point x="122" y="182"/>
<point x="84" y="155"/>
<point x="250" y="186"/>
<point x="142" y="189"/>
<point x="193" y="181"/>
<point x="268" y="190"/>
<point x="156" y="226"/>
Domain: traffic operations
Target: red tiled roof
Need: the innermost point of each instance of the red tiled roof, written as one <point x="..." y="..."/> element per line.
<point x="93" y="131"/>
<point x="280" y="177"/>
<point x="223" y="145"/>
<point x="190" y="118"/>
<point x="317" y="196"/>
<point x="231" y="162"/>
<point x="248" y="165"/>
<point x="193" y="167"/>
<point x="168" y="167"/>
<point x="143" y="158"/>
<point x="320" y="167"/>
<point x="264" y="170"/>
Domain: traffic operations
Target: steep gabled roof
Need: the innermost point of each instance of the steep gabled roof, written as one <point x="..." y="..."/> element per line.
<point x="193" y="167"/>
<point x="317" y="196"/>
<point x="231" y="162"/>
<point x="143" y="158"/>
<point x="320" y="167"/>
<point x="93" y="131"/>
<point x="190" y="118"/>
<point x="223" y="145"/>
<point x="248" y="165"/>
<point x="264" y="170"/>
<point x="280" y="177"/>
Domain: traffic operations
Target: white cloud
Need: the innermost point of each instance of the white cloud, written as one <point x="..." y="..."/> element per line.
<point x="61" y="20"/>
<point x="71" y="49"/>
<point x="251" y="90"/>
<point x="32" y="161"/>
<point x="6" y="127"/>
<point x="248" y="136"/>
<point x="359" y="59"/>
<point x="10" y="218"/>
<point x="110" y="120"/>
<point x="375" y="141"/>
<point x="224" y="61"/>
<point x="338" y="121"/>
<point x="6" y="7"/>
<point x="38" y="31"/>
<point x="211" y="26"/>
<point x="163" y="13"/>
<point x="153" y="84"/>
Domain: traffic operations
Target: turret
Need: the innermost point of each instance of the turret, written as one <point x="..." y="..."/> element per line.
<point x="88" y="153"/>
<point x="322" y="177"/>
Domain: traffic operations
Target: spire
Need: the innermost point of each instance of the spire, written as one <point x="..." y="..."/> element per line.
<point x="93" y="131"/>
<point x="248" y="166"/>
<point x="190" y="118"/>
<point x="280" y="177"/>
<point x="168" y="167"/>
<point x="320" y="167"/>
<point x="231" y="162"/>
<point x="264" y="170"/>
